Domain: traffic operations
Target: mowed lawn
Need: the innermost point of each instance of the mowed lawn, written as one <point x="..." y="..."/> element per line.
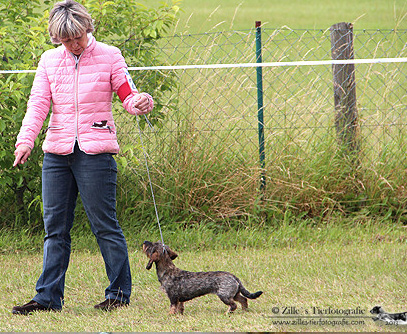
<point x="308" y="286"/>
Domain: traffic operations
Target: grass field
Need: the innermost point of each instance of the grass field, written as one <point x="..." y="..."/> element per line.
<point x="215" y="15"/>
<point x="311" y="270"/>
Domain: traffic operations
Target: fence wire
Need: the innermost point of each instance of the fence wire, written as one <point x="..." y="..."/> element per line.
<point x="213" y="114"/>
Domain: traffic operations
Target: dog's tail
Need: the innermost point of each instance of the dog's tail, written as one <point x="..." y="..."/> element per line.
<point x="247" y="294"/>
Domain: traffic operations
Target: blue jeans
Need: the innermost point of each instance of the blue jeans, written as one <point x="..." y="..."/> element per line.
<point x="94" y="176"/>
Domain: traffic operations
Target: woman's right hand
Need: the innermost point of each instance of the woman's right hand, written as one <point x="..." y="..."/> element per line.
<point x="21" y="153"/>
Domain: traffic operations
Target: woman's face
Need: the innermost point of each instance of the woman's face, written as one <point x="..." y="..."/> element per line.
<point x="76" y="45"/>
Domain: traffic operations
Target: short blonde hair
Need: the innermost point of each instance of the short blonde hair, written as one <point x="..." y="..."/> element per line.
<point x="67" y="20"/>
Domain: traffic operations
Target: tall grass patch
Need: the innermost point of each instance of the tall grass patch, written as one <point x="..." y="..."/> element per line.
<point x="204" y="157"/>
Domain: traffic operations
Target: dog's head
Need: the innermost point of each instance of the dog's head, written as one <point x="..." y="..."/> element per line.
<point x="377" y="310"/>
<point x="157" y="251"/>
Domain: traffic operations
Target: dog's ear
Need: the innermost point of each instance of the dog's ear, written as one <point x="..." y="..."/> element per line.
<point x="154" y="257"/>
<point x="149" y="264"/>
<point x="171" y="253"/>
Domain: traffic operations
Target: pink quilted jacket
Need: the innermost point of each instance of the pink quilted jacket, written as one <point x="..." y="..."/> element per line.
<point x="81" y="93"/>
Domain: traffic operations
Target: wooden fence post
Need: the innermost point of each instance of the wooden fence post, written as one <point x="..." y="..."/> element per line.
<point x="346" y="117"/>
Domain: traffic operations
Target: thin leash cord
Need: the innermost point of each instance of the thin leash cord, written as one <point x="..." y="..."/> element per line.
<point x="149" y="178"/>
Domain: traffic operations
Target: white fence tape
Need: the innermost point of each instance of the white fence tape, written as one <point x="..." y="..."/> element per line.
<point x="271" y="64"/>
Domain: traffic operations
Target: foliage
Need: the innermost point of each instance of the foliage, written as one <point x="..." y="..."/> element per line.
<point x="22" y="41"/>
<point x="23" y="38"/>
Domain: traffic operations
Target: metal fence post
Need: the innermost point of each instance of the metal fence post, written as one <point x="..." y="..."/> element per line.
<point x="260" y="107"/>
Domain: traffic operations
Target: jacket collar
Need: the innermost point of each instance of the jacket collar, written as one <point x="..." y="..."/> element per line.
<point x="90" y="39"/>
<point x="88" y="49"/>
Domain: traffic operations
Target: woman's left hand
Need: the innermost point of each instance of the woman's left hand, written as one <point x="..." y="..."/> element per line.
<point x="142" y="104"/>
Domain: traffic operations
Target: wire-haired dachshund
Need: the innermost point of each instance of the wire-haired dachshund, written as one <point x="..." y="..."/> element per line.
<point x="181" y="286"/>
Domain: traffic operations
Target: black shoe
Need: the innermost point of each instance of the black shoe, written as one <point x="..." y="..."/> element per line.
<point x="30" y="307"/>
<point x="110" y="304"/>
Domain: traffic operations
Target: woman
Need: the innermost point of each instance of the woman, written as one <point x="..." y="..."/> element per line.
<point x="79" y="78"/>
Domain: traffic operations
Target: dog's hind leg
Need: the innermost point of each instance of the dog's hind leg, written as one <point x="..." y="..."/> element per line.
<point x="242" y="300"/>
<point x="229" y="301"/>
<point x="232" y="307"/>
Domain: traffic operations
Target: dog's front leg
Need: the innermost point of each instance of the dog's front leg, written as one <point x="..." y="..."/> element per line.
<point x="181" y="308"/>
<point x="174" y="308"/>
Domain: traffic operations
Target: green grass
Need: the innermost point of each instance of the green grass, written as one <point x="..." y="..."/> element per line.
<point x="339" y="267"/>
<point x="216" y="15"/>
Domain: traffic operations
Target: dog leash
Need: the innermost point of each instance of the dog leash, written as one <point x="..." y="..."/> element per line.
<point x="148" y="173"/>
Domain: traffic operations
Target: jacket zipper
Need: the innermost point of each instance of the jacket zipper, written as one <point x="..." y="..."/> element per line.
<point x="76" y="89"/>
<point x="76" y="96"/>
